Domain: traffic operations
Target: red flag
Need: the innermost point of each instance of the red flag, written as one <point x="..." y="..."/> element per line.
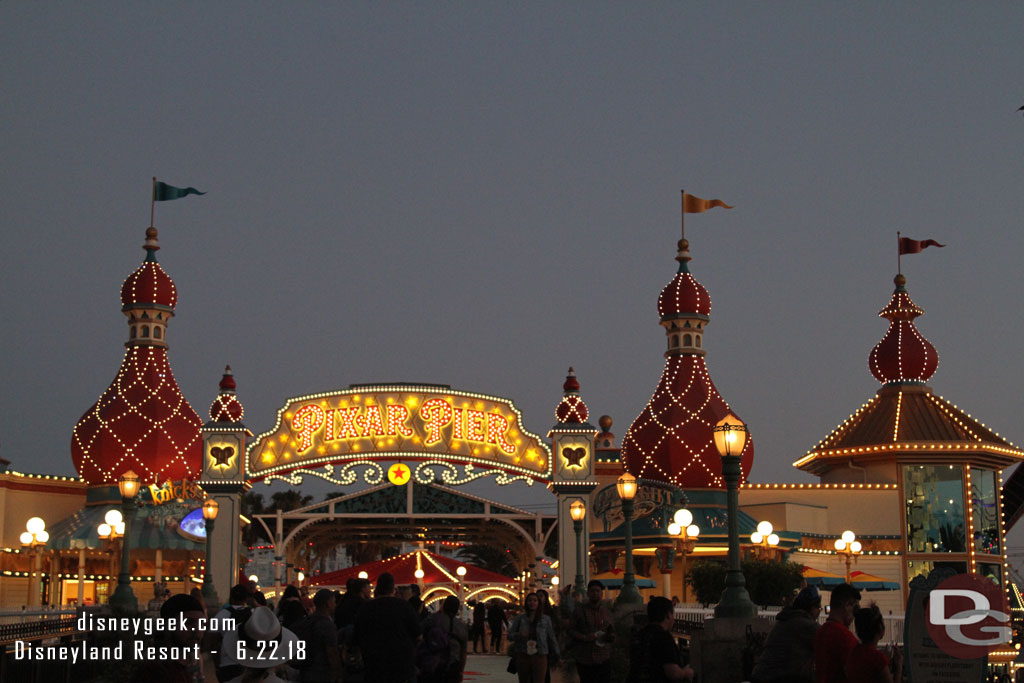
<point x="693" y="204"/>
<point x="909" y="246"/>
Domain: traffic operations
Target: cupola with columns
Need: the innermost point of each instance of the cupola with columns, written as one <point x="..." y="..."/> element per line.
<point x="672" y="440"/>
<point x="142" y="422"/>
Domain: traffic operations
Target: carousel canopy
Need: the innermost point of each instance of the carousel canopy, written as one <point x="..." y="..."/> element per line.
<point x="437" y="569"/>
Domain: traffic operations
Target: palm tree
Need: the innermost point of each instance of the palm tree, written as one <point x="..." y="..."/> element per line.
<point x="499" y="560"/>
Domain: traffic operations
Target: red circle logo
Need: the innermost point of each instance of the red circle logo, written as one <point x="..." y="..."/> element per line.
<point x="967" y="616"/>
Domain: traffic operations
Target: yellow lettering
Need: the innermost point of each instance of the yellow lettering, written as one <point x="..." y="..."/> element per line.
<point x="475" y="425"/>
<point x="397" y="416"/>
<point x="436" y="413"/>
<point x="348" y="423"/>
<point x="307" y="421"/>
<point x="497" y="425"/>
<point x="374" y="421"/>
<point x="459" y="424"/>
<point x="329" y="424"/>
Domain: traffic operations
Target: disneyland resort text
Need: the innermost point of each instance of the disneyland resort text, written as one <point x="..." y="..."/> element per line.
<point x="125" y="626"/>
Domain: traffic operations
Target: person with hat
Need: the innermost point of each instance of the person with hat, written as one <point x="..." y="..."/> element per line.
<point x="261" y="646"/>
<point x="788" y="653"/>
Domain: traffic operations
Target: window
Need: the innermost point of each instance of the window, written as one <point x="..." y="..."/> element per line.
<point x="935" y="509"/>
<point x="145" y="330"/>
<point x="156" y="332"/>
<point x="984" y="511"/>
<point x="687" y="340"/>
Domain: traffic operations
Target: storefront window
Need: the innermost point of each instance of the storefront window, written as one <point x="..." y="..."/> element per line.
<point x="991" y="571"/>
<point x="935" y="509"/>
<point x="924" y="567"/>
<point x="984" y="511"/>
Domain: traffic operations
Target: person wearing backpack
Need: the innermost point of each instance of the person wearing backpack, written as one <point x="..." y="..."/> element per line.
<point x="322" y="663"/>
<point x="238" y="610"/>
<point x="441" y="655"/>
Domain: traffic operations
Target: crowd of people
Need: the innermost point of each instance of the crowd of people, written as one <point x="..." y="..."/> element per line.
<point x="388" y="635"/>
<point x="798" y="650"/>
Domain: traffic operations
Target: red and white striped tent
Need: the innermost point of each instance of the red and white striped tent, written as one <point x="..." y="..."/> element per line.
<point x="440" y="577"/>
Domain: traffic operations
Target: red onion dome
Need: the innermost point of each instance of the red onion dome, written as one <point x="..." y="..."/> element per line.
<point x="672" y="440"/>
<point x="571" y="409"/>
<point x="142" y="422"/>
<point x="903" y="354"/>
<point x="226" y="407"/>
<point x="683" y="295"/>
<point x="149" y="284"/>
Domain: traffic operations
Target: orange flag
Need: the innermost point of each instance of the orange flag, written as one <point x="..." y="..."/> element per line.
<point x="693" y="204"/>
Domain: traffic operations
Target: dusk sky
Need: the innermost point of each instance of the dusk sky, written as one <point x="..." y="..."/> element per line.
<point x="483" y="194"/>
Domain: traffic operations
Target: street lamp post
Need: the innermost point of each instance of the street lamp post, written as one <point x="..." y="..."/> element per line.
<point x="578" y="511"/>
<point x="123" y="599"/>
<point x="730" y="440"/>
<point x="461" y="571"/>
<point x="110" y="530"/>
<point x="848" y="546"/>
<point x="686" y="533"/>
<point x="765" y="541"/>
<point x="210" y="509"/>
<point x="629" y="595"/>
<point x="35" y="535"/>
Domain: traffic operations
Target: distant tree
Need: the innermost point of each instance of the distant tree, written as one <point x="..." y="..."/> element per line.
<point x="288" y="500"/>
<point x="252" y="504"/>
<point x="708" y="580"/>
<point x="768" y="582"/>
<point x="498" y="560"/>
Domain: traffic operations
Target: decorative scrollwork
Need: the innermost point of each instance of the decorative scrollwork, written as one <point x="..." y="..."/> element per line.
<point x="448" y="473"/>
<point x="372" y="474"/>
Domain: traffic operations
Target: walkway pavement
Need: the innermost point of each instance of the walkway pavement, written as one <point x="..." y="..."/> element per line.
<point x="491" y="669"/>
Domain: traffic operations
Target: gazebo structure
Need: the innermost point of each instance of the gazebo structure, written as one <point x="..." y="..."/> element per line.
<point x="436" y="575"/>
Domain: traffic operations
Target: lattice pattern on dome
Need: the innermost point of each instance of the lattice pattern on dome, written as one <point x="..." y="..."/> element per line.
<point x="672" y="440"/>
<point x="149" y="284"/>
<point x="227" y="408"/>
<point x="684" y="295"/>
<point x="141" y="422"/>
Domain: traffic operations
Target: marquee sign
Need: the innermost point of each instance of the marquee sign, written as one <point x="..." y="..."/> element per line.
<point x="434" y="425"/>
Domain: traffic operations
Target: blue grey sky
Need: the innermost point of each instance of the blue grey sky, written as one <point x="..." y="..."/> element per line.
<point x="483" y="194"/>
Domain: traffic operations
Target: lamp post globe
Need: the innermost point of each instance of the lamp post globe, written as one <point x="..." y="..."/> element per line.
<point x="730" y="440"/>
<point x="210" y="510"/>
<point x="629" y="596"/>
<point x="578" y="512"/>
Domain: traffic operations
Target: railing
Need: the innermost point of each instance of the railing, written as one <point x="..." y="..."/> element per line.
<point x="23" y="615"/>
<point x="690" y="618"/>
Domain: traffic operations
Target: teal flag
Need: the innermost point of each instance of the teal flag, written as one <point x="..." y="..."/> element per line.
<point x="163" y="192"/>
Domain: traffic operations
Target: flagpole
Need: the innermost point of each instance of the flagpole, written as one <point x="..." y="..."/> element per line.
<point x="152" y="203"/>
<point x="682" y="214"/>
<point x="899" y="263"/>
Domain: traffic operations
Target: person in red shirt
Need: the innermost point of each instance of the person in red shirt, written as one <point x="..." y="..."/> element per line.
<point x="834" y="641"/>
<point x="866" y="663"/>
